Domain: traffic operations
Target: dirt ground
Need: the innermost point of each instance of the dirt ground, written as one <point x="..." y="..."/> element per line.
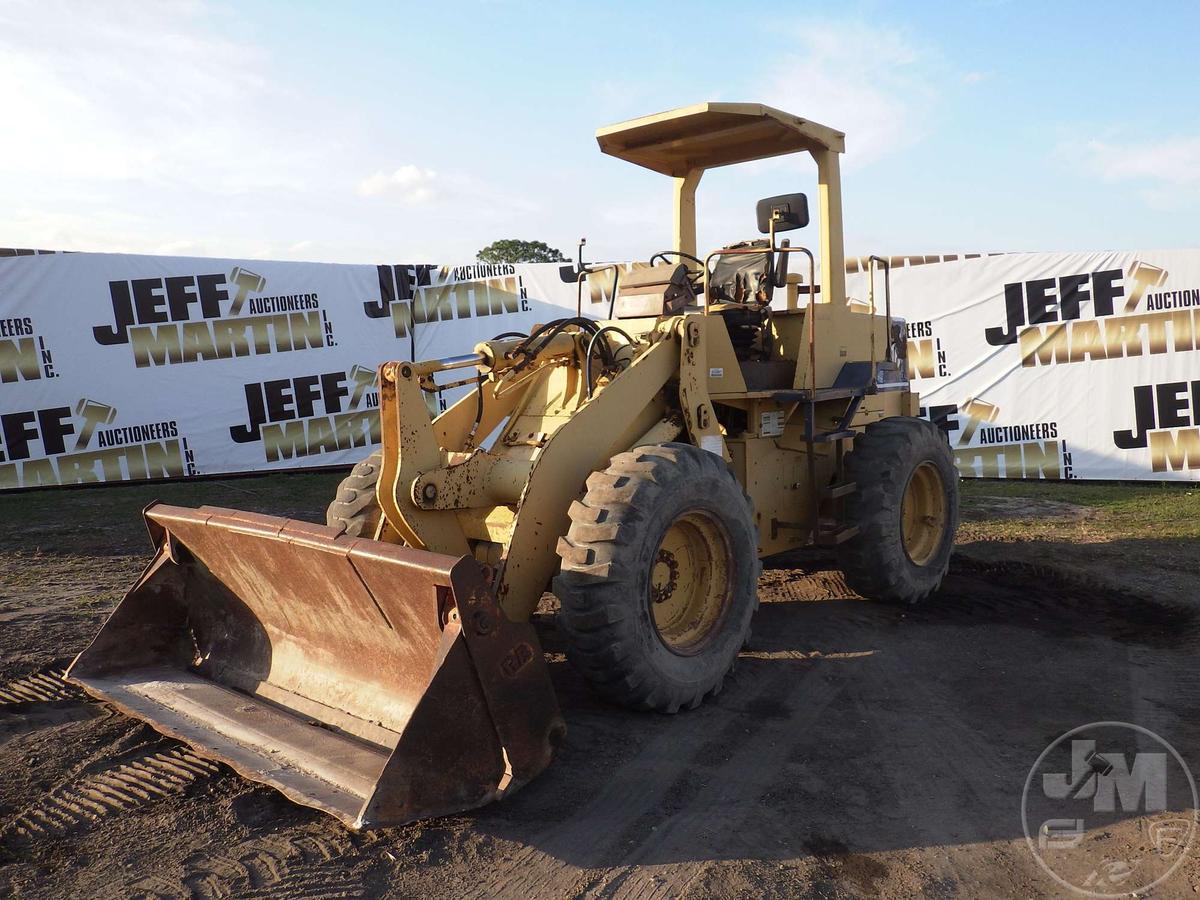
<point x="859" y="750"/>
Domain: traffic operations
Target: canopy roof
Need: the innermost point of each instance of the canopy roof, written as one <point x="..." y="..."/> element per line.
<point x="714" y="134"/>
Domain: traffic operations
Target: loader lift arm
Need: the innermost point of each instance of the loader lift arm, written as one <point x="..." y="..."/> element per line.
<point x="436" y="496"/>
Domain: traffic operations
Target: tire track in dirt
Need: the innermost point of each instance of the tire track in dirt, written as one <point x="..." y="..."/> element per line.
<point x="310" y="866"/>
<point x="638" y="789"/>
<point x="87" y="801"/>
<point x="41" y="699"/>
<point x="953" y="780"/>
<point x="751" y="771"/>
<point x="43" y="686"/>
<point x="950" y="777"/>
<point x="823" y="584"/>
<point x="952" y="748"/>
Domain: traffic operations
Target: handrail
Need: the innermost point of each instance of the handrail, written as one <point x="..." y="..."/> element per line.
<point x="887" y="299"/>
<point x="583" y="273"/>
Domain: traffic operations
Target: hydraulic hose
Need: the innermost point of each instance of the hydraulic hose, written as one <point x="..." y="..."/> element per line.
<point x="587" y="356"/>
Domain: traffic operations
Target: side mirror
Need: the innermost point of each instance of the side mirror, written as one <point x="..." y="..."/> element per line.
<point x="790" y="211"/>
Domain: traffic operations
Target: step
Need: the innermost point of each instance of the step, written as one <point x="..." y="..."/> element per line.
<point x="836" y="491"/>
<point x="833" y="537"/>
<point x="828" y="437"/>
<point x="817" y="396"/>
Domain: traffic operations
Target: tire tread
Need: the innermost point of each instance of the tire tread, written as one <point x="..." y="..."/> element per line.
<point x="598" y="555"/>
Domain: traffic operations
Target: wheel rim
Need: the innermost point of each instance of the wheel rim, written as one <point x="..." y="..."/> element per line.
<point x="690" y="582"/>
<point x="923" y="514"/>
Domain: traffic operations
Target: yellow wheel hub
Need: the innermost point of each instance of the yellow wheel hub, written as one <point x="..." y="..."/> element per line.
<point x="923" y="514"/>
<point x="690" y="581"/>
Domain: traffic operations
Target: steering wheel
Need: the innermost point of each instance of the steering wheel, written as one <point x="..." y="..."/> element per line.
<point x="665" y="253"/>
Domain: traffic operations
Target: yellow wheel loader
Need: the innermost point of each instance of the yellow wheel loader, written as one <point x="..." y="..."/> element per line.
<point x="383" y="667"/>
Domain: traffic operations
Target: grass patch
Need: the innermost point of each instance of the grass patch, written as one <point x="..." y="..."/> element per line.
<point x="1141" y="538"/>
<point x="1090" y="493"/>
<point x="1033" y="509"/>
<point x="91" y="520"/>
<point x="108" y="519"/>
<point x="1152" y="523"/>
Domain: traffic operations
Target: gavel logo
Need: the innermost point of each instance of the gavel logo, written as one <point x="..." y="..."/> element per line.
<point x="363" y="378"/>
<point x="977" y="412"/>
<point x="1144" y="276"/>
<point x="245" y="281"/>
<point x="94" y="413"/>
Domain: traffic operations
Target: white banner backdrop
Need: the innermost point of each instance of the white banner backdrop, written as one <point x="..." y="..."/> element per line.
<point x="1056" y="365"/>
<point x="118" y="367"/>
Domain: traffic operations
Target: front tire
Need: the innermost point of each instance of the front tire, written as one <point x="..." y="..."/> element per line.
<point x="355" y="509"/>
<point x="906" y="510"/>
<point x="659" y="577"/>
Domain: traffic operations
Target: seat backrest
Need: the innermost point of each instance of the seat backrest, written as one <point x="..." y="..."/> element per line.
<point x="660" y="290"/>
<point x="747" y="277"/>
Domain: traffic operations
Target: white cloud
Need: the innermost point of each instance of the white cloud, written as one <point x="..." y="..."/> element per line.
<point x="167" y="127"/>
<point x="176" y="248"/>
<point x="154" y="94"/>
<point x="300" y="250"/>
<point x="1167" y="171"/>
<point x="871" y="81"/>
<point x="410" y="183"/>
<point x="1174" y="161"/>
<point x="157" y="127"/>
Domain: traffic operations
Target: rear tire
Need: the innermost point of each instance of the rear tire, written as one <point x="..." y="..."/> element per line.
<point x="355" y="509"/>
<point x="906" y="510"/>
<point x="659" y="577"/>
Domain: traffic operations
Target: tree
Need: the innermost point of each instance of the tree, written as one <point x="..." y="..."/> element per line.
<point x="511" y="250"/>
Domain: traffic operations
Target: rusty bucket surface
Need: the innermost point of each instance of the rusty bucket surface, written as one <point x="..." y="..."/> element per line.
<point x="378" y="683"/>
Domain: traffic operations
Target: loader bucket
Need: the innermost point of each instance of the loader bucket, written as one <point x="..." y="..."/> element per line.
<point x="378" y="683"/>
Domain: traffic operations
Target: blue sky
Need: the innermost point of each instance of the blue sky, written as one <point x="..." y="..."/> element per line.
<point x="368" y="132"/>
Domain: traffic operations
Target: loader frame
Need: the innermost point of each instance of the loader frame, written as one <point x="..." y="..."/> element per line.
<point x="388" y="675"/>
<point x="508" y="504"/>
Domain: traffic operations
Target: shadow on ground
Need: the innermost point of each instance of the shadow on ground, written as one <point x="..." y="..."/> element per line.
<point x="856" y="725"/>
